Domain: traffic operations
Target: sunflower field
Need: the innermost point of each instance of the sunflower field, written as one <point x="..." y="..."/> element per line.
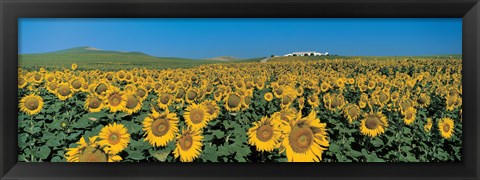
<point x="342" y="110"/>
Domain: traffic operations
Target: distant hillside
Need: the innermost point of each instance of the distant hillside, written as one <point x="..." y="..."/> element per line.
<point x="91" y="58"/>
<point x="224" y="58"/>
<point x="310" y="58"/>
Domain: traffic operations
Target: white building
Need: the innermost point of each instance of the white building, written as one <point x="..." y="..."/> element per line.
<point x="307" y="53"/>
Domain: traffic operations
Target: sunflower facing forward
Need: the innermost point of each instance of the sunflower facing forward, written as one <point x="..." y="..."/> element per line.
<point x="373" y="124"/>
<point x="265" y="134"/>
<point x="114" y="137"/>
<point x="306" y="139"/>
<point x="93" y="103"/>
<point x="196" y="116"/>
<point x="90" y="151"/>
<point x="409" y="114"/>
<point x="115" y="99"/>
<point x="31" y="104"/>
<point x="233" y="102"/>
<point x="446" y="127"/>
<point x="160" y="128"/>
<point x="189" y="145"/>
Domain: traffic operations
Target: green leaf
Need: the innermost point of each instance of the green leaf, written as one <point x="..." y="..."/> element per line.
<point x="218" y="134"/>
<point x="160" y="155"/>
<point x="210" y="153"/>
<point x="135" y="155"/>
<point x="377" y="142"/>
<point x="334" y="148"/>
<point x="354" y="153"/>
<point x="43" y="152"/>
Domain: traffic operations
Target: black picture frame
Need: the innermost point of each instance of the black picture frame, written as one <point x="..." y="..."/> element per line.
<point x="11" y="10"/>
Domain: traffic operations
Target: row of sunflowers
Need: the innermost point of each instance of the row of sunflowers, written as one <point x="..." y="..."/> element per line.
<point x="403" y="110"/>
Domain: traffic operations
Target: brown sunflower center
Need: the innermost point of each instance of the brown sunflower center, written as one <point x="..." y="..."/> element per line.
<point x="101" y="88"/>
<point x="383" y="97"/>
<point x="31" y="103"/>
<point x="336" y="103"/>
<point x="37" y="77"/>
<point x="115" y="99"/>
<point x="113" y="138"/>
<point x="76" y="84"/>
<point x="109" y="77"/>
<point x="352" y="111"/>
<point x="21" y="81"/>
<point x="132" y="102"/>
<point x="286" y="100"/>
<point x="264" y="133"/>
<point x="210" y="109"/>
<point x="180" y="93"/>
<point x="92" y="154"/>
<point x="165" y="98"/>
<point x="409" y="115"/>
<point x="94" y="103"/>
<point x="52" y="85"/>
<point x="186" y="142"/>
<point x="279" y="91"/>
<point x="446" y="127"/>
<point x="191" y="95"/>
<point x="140" y="93"/>
<point x="422" y="100"/>
<point x="233" y="101"/>
<point x="372" y="122"/>
<point x="160" y="127"/>
<point x="197" y="116"/>
<point x="64" y="90"/>
<point x="301" y="138"/>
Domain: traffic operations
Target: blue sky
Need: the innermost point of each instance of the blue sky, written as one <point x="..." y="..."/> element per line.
<point x="245" y="38"/>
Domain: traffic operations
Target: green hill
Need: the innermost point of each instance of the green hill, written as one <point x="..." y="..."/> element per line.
<point x="91" y="58"/>
<point x="312" y="58"/>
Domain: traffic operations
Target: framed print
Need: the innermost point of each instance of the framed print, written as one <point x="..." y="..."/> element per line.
<point x="239" y="89"/>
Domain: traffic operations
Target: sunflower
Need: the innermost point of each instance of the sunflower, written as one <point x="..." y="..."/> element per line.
<point x="90" y="151"/>
<point x="233" y="102"/>
<point x="133" y="103"/>
<point x="160" y="128"/>
<point x="120" y="75"/>
<point x="410" y="113"/>
<point x="51" y="87"/>
<point x="301" y="102"/>
<point x="428" y="126"/>
<point x="450" y="102"/>
<point x="268" y="96"/>
<point x="212" y="108"/>
<point x="191" y="95"/>
<point x="63" y="91"/>
<point x="141" y="93"/>
<point x="189" y="145"/>
<point x="74" y="66"/>
<point x="114" y="137"/>
<point x="22" y="82"/>
<point x="165" y="100"/>
<point x="423" y="100"/>
<point x="93" y="103"/>
<point x="446" y="127"/>
<point x="286" y="100"/>
<point x="31" y="104"/>
<point x="76" y="84"/>
<point x="351" y="112"/>
<point x="313" y="100"/>
<point x="115" y="100"/>
<point x="265" y="134"/>
<point x="306" y="139"/>
<point x="101" y="88"/>
<point x="196" y="116"/>
<point x="373" y="124"/>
